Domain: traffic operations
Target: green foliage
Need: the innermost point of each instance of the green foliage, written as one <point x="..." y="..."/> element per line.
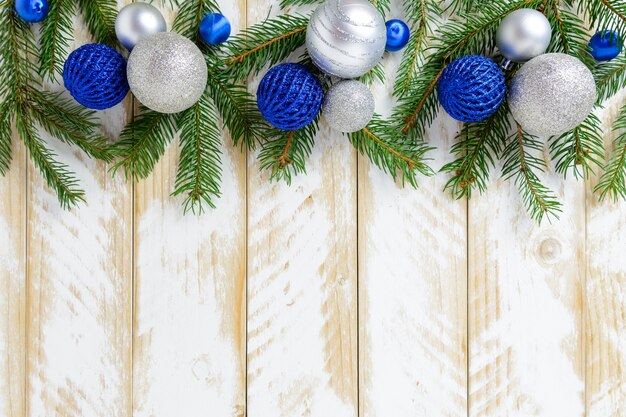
<point x="56" y="33"/>
<point x="605" y="14"/>
<point x="100" y="19"/>
<point x="613" y="181"/>
<point x="610" y="78"/>
<point x="190" y="15"/>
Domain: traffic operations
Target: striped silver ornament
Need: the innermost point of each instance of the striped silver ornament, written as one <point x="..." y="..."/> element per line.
<point x="346" y="38"/>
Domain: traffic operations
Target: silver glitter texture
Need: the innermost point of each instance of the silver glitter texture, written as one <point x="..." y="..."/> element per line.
<point x="136" y="21"/>
<point x="552" y="94"/>
<point x="346" y="38"/>
<point x="348" y="106"/>
<point x="167" y="72"/>
<point x="523" y="35"/>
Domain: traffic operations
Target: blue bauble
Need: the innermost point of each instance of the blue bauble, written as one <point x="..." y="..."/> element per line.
<point x="471" y="88"/>
<point x="289" y="96"/>
<point x="215" y="28"/>
<point x="605" y="45"/>
<point x="398" y="34"/>
<point x="32" y="11"/>
<point x="95" y="75"/>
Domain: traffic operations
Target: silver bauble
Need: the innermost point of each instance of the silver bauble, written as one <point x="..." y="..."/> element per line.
<point x="523" y="35"/>
<point x="552" y="94"/>
<point x="136" y="21"/>
<point x="346" y="38"/>
<point x="167" y="72"/>
<point x="348" y="106"/>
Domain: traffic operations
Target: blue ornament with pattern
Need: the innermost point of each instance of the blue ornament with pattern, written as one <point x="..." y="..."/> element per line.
<point x="398" y="34"/>
<point x="95" y="75"/>
<point x="215" y="28"/>
<point x="289" y="96"/>
<point x="471" y="88"/>
<point x="32" y="11"/>
<point x="605" y="45"/>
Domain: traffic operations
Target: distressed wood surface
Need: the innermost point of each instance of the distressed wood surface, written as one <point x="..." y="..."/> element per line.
<point x="189" y="316"/>
<point x="341" y="295"/>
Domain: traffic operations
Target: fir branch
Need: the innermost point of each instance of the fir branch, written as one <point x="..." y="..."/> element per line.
<point x="264" y="44"/>
<point x="295" y="3"/>
<point x="100" y="19"/>
<point x="520" y="164"/>
<point x="284" y="154"/>
<point x="569" y="32"/>
<point x="610" y="78"/>
<point x="199" y="171"/>
<point x="612" y="183"/>
<point x="375" y="74"/>
<point x="477" y="146"/>
<point x="5" y="138"/>
<point x="190" y="14"/>
<point x="605" y="14"/>
<point x="580" y="149"/>
<point x="56" y="33"/>
<point x="143" y="142"/>
<point x="389" y="150"/>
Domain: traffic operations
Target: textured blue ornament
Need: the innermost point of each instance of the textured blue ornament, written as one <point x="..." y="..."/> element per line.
<point x="471" y="88"/>
<point x="289" y="96"/>
<point x="215" y="28"/>
<point x="95" y="75"/>
<point x="605" y="45"/>
<point x="32" y="11"/>
<point x="398" y="34"/>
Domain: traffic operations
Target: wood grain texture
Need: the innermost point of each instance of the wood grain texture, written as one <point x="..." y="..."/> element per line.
<point x="79" y="287"/>
<point x="302" y="315"/>
<point x="525" y="304"/>
<point x="412" y="286"/>
<point x="605" y="298"/>
<point x="13" y="284"/>
<point x="189" y="320"/>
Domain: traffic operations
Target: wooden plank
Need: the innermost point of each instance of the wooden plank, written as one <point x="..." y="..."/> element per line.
<point x="302" y="311"/>
<point x="13" y="284"/>
<point x="525" y="304"/>
<point x="79" y="288"/>
<point x="605" y="335"/>
<point x="189" y="322"/>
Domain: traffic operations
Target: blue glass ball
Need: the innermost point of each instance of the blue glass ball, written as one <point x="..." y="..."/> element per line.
<point x="398" y="34"/>
<point x="471" y="88"/>
<point x="605" y="45"/>
<point x="95" y="75"/>
<point x="289" y="96"/>
<point x="32" y="11"/>
<point x="215" y="28"/>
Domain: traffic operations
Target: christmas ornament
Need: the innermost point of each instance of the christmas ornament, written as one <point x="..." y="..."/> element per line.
<point x="95" y="75"/>
<point x="552" y="94"/>
<point x="136" y="21"/>
<point x="523" y="35"/>
<point x="32" y="11"/>
<point x="289" y="96"/>
<point x="398" y="34"/>
<point x="346" y="38"/>
<point x="348" y="106"/>
<point x="605" y="45"/>
<point x="215" y="28"/>
<point x="167" y="72"/>
<point x="471" y="88"/>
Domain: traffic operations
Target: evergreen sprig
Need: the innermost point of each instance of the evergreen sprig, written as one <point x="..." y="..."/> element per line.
<point x="612" y="183"/>
<point x="190" y="14"/>
<point x="100" y="19"/>
<point x="56" y="33"/>
<point x="605" y="14"/>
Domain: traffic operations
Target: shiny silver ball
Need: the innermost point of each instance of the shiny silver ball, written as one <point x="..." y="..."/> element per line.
<point x="523" y="35"/>
<point x="136" y="21"/>
<point x="346" y="38"/>
<point x="348" y="106"/>
<point x="167" y="72"/>
<point x="552" y="94"/>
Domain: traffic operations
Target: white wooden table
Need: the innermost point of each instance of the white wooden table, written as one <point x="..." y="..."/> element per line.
<point x="341" y="295"/>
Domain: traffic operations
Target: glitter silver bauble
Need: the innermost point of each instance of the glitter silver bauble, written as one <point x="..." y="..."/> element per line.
<point x="348" y="106"/>
<point x="167" y="72"/>
<point x="136" y="21"/>
<point x="523" y="35"/>
<point x="552" y="94"/>
<point x="346" y="38"/>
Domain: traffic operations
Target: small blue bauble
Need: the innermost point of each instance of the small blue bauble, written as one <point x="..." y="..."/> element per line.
<point x="471" y="88"/>
<point x="398" y="34"/>
<point x="605" y="45"/>
<point x="32" y="11"/>
<point x="289" y="96"/>
<point x="95" y="75"/>
<point x="215" y="28"/>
